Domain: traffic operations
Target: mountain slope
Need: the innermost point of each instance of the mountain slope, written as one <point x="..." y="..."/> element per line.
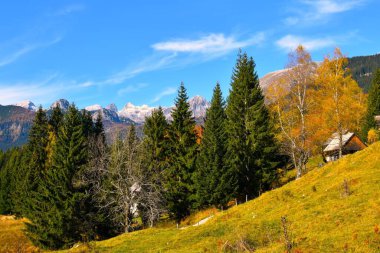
<point x="320" y="217"/>
<point x="361" y="68"/>
<point x="15" y="123"/>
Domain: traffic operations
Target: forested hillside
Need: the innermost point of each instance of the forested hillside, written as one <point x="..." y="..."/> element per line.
<point x="362" y="69"/>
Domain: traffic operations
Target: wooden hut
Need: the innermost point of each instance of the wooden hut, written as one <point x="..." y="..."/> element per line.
<point x="351" y="144"/>
<point x="377" y="120"/>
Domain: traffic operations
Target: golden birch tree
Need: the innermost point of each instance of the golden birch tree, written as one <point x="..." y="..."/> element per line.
<point x="290" y="100"/>
<point x="341" y="101"/>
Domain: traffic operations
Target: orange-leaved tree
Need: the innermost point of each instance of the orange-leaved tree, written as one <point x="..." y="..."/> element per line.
<point x="291" y="101"/>
<point x="341" y="101"/>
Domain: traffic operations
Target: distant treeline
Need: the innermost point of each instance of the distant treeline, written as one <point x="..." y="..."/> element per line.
<point x="363" y="69"/>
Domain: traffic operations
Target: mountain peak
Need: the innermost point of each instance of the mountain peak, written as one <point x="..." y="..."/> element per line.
<point x="63" y="104"/>
<point x="27" y="104"/>
<point x="199" y="106"/>
<point x="112" y="107"/>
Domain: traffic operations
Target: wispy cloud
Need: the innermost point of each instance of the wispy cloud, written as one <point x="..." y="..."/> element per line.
<point x="179" y="53"/>
<point x="69" y="9"/>
<point x="14" y="56"/>
<point x="210" y="44"/>
<point x="148" y="64"/>
<point x="40" y="91"/>
<point x="166" y="92"/>
<point x="131" y="89"/>
<point x="318" y="11"/>
<point x="290" y="42"/>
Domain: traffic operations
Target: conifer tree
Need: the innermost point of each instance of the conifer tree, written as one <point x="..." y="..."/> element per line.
<point x="212" y="177"/>
<point x="99" y="128"/>
<point x="156" y="143"/>
<point x="182" y="142"/>
<point x="87" y="124"/>
<point x="34" y="168"/>
<point x="373" y="104"/>
<point x="56" y="119"/>
<point x="250" y="151"/>
<point x="56" y="216"/>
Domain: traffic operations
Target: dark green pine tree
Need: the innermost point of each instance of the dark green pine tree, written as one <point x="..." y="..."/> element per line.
<point x="251" y="147"/>
<point x="156" y="144"/>
<point x="264" y="146"/>
<point x="56" y="221"/>
<point x="56" y="119"/>
<point x="10" y="163"/>
<point x="373" y="105"/>
<point x="182" y="142"/>
<point x="87" y="123"/>
<point x="34" y="168"/>
<point x="99" y="128"/>
<point x="212" y="178"/>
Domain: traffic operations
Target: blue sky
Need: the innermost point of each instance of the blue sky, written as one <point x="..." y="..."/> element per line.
<point x="101" y="52"/>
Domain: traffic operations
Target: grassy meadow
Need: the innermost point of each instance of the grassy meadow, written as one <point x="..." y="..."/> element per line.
<point x="335" y="208"/>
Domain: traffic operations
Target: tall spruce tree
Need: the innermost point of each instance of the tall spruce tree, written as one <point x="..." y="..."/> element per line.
<point x="182" y="142"/>
<point x="34" y="168"/>
<point x="373" y="105"/>
<point x="56" y="119"/>
<point x="56" y="219"/>
<point x="99" y="128"/>
<point x="156" y="143"/>
<point x="251" y="152"/>
<point x="212" y="176"/>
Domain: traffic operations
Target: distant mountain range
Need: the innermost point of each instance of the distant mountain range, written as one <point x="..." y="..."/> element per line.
<point x="16" y="120"/>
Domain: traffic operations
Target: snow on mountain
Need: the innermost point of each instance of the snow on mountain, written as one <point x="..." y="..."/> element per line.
<point x="92" y="108"/>
<point x="112" y="107"/>
<point x="135" y="112"/>
<point x="199" y="106"/>
<point x="27" y="104"/>
<point x="63" y="104"/>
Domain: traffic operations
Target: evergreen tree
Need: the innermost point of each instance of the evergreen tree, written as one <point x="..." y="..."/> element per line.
<point x="212" y="177"/>
<point x="35" y="165"/>
<point x="251" y="148"/>
<point x="56" y="218"/>
<point x="9" y="164"/>
<point x="182" y="142"/>
<point x="99" y="128"/>
<point x="56" y="119"/>
<point x="156" y="143"/>
<point x="373" y="105"/>
<point x="87" y="124"/>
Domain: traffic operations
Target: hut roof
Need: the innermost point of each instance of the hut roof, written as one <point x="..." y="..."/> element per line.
<point x="333" y="142"/>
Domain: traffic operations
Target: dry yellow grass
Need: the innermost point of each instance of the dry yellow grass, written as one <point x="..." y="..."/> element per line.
<point x="323" y="214"/>
<point x="12" y="238"/>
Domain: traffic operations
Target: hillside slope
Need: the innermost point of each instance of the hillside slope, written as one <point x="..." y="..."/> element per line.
<point x="321" y="217"/>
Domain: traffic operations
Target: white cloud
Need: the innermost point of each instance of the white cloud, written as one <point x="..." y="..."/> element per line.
<point x="318" y="11"/>
<point x="131" y="89"/>
<point x="152" y="63"/>
<point x="290" y="42"/>
<point x="212" y="43"/>
<point x="179" y="53"/>
<point x="332" y="6"/>
<point x="164" y="93"/>
<point x="14" y="56"/>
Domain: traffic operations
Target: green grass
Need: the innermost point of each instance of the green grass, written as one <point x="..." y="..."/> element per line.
<point x="321" y="217"/>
